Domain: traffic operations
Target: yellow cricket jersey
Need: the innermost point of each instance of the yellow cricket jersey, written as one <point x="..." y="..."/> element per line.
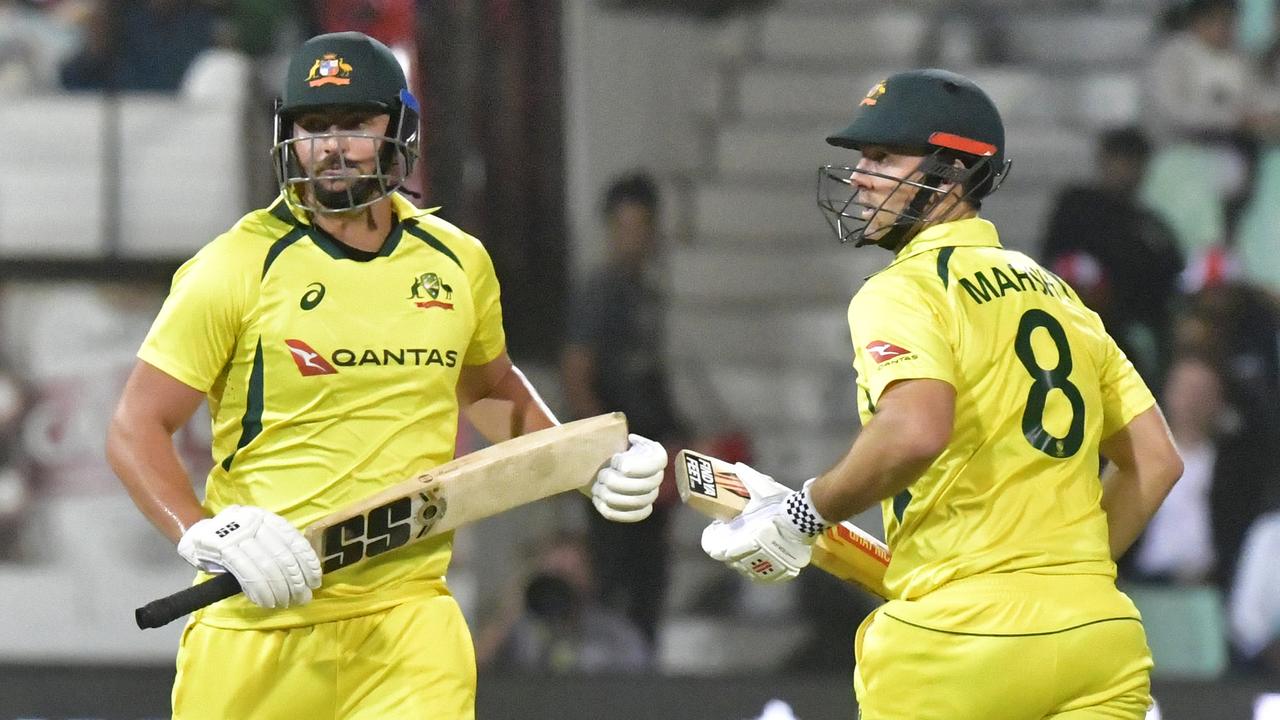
<point x="1013" y="503"/>
<point x="329" y="378"/>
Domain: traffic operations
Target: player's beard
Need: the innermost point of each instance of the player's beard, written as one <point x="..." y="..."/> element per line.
<point x="359" y="190"/>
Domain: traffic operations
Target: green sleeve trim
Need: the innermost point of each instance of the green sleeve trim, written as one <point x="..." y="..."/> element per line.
<point x="251" y="423"/>
<point x="426" y="237"/>
<point x="900" y="502"/>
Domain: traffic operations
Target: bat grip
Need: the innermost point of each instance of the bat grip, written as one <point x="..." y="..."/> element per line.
<point x="159" y="613"/>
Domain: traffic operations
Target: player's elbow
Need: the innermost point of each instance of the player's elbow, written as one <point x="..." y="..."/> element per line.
<point x="919" y="416"/>
<point x="118" y="438"/>
<point x="1169" y="466"/>
<point x="923" y="444"/>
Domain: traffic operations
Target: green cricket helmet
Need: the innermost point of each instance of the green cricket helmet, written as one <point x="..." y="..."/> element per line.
<point x="341" y="72"/>
<point x="939" y="115"/>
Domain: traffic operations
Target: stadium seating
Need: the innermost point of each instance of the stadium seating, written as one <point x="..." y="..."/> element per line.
<point x="1258" y="238"/>
<point x="1182" y="186"/>
<point x="1186" y="630"/>
<point x="176" y="157"/>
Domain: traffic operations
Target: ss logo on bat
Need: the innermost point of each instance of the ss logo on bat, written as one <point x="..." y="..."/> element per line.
<point x="383" y="528"/>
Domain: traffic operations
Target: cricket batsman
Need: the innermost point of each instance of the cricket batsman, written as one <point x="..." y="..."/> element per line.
<point x="987" y="393"/>
<point x="335" y="335"/>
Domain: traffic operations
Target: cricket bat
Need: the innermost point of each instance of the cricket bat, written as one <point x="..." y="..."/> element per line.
<point x="484" y="483"/>
<point x="711" y="486"/>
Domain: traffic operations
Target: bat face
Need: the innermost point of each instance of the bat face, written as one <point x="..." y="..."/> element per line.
<point x="385" y="527"/>
<point x="709" y="485"/>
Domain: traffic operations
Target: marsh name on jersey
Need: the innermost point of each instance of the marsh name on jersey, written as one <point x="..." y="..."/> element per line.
<point x="982" y="288"/>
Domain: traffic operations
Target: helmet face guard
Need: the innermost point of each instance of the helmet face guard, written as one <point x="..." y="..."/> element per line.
<point x="393" y="161"/>
<point x="928" y="201"/>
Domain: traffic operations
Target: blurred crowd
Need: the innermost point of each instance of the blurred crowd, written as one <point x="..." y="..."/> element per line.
<point x="1186" y="296"/>
<point x="167" y="45"/>
<point x="1195" y="307"/>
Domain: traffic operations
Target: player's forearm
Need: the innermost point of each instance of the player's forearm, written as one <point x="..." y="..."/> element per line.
<point x="910" y="429"/>
<point x="1145" y="464"/>
<point x="1129" y="501"/>
<point x="884" y="460"/>
<point x="511" y="408"/>
<point x="147" y="464"/>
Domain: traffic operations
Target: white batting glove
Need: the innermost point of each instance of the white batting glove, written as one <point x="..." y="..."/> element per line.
<point x="274" y="563"/>
<point x="624" y="491"/>
<point x="771" y="541"/>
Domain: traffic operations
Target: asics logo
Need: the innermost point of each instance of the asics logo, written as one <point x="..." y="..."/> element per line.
<point x="313" y="296"/>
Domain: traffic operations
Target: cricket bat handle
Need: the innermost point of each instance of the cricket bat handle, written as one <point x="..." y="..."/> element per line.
<point x="158" y="613"/>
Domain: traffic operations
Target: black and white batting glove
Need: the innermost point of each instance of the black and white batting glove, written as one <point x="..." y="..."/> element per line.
<point x="771" y="541"/>
<point x="274" y="563"/>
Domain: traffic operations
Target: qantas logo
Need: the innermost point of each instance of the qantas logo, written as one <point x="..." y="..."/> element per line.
<point x="881" y="351"/>
<point x="309" y="361"/>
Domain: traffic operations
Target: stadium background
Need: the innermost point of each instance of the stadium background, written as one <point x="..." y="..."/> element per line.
<point x="530" y="108"/>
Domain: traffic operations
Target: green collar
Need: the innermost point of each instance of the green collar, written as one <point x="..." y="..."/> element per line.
<point x="970" y="232"/>
<point x="291" y="214"/>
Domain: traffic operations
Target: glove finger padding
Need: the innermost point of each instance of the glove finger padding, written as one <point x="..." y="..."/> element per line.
<point x="252" y="576"/>
<point x="722" y="542"/>
<point x="620" y="502"/>
<point x="643" y="458"/>
<point x="622" y="516"/>
<point x="304" y="554"/>
<point x="621" y="485"/>
<point x="283" y="558"/>
<point x="272" y="573"/>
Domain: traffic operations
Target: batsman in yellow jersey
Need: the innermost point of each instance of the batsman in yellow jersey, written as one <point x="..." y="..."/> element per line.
<point x="335" y="335"/>
<point x="987" y="393"/>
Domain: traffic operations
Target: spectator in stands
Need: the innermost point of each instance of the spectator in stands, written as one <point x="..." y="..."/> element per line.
<point x="556" y="624"/>
<point x="140" y="45"/>
<point x="1201" y="89"/>
<point x="1178" y="543"/>
<point x="614" y="360"/>
<point x="1234" y="327"/>
<point x="34" y="41"/>
<point x="1122" y="258"/>
<point x="1255" y="597"/>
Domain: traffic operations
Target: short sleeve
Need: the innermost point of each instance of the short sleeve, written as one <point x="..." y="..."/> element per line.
<point x="194" y="336"/>
<point x="489" y="339"/>
<point x="898" y="334"/>
<point x="1124" y="394"/>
